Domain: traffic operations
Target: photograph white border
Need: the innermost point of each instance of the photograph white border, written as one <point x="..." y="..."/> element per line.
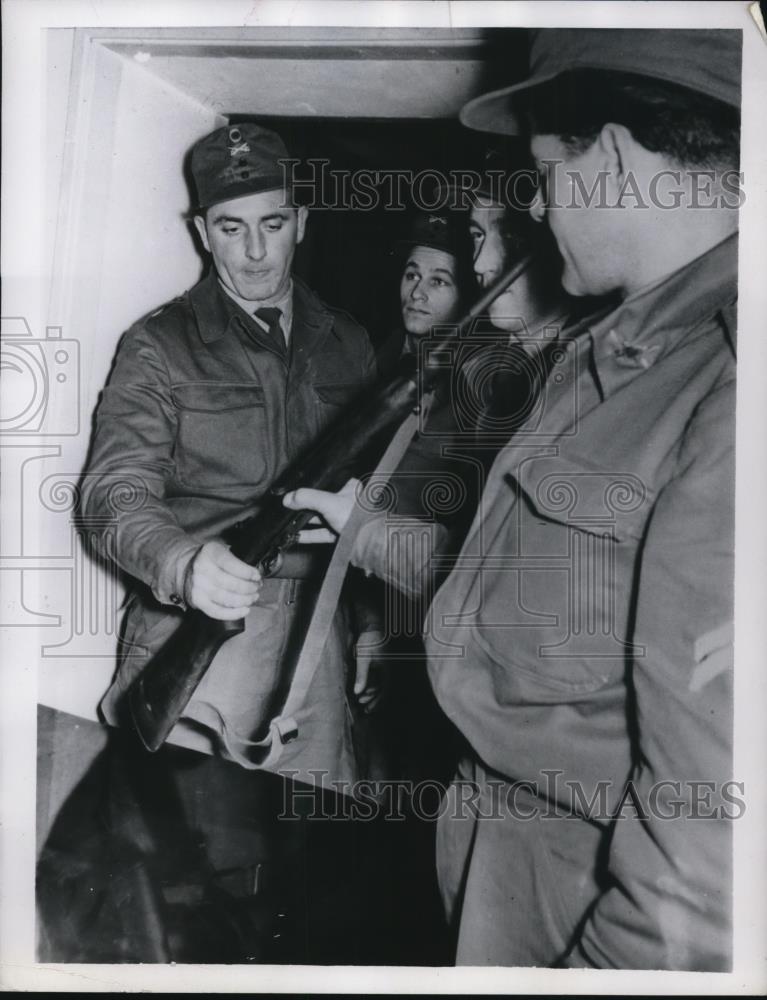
<point x="23" y="179"/>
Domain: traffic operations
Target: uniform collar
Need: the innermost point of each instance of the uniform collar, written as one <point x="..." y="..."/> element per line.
<point x="284" y="304"/>
<point x="213" y="310"/>
<point x="648" y="324"/>
<point x="312" y="324"/>
<point x="308" y="309"/>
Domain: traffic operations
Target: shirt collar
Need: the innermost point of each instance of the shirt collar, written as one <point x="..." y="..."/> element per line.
<point x="284" y="303"/>
<point x="649" y="323"/>
<point x="546" y="330"/>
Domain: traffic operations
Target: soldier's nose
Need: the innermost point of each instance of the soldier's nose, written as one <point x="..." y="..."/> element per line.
<point x="255" y="247"/>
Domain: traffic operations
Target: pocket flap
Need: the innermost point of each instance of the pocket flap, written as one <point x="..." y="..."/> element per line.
<point x="215" y="397"/>
<point x="576" y="491"/>
<point x="337" y="393"/>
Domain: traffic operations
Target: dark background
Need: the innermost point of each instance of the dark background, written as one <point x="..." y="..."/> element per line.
<point x="349" y="257"/>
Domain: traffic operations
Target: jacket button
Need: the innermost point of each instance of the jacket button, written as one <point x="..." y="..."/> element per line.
<point x="176" y="599"/>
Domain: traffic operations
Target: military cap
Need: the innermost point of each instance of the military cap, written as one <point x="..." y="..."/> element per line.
<point x="440" y="230"/>
<point x="701" y="59"/>
<point x="238" y="160"/>
<point x="501" y="178"/>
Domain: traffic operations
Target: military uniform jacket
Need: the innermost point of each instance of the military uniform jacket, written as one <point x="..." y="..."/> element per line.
<point x="583" y="646"/>
<point x="588" y="631"/>
<point x="202" y="412"/>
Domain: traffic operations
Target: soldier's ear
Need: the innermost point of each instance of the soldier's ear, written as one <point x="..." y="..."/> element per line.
<point x="302" y="214"/>
<point x="202" y="229"/>
<point x="616" y="146"/>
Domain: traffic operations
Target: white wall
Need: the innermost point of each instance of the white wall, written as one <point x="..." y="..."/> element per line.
<point x="116" y="204"/>
<point x="121" y="112"/>
<point x="122" y="109"/>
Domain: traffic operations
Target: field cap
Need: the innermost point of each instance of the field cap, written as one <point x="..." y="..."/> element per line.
<point x="441" y="230"/>
<point x="500" y="178"/>
<point x="237" y="160"/>
<point x="705" y="60"/>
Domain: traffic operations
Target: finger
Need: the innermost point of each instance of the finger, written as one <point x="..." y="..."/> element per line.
<point x="306" y="498"/>
<point x="369" y="642"/>
<point x="361" y="680"/>
<point x="335" y="508"/>
<point x="218" y="579"/>
<point x="207" y="573"/>
<point x="317" y="536"/>
<point x="214" y="568"/>
<point x="225" y="598"/>
<point x="229" y="563"/>
<point x="221" y="613"/>
<point x="216" y="609"/>
<point x="204" y="591"/>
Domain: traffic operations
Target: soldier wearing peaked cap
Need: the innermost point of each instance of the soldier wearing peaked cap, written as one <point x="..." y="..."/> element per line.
<point x="209" y="400"/>
<point x="583" y="643"/>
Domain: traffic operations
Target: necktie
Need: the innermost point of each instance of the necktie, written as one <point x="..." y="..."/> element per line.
<point x="271" y="316"/>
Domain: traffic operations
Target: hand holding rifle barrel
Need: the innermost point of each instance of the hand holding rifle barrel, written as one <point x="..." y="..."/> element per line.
<point x="159" y="695"/>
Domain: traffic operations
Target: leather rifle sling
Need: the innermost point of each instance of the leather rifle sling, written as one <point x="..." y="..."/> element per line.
<point x="285" y="726"/>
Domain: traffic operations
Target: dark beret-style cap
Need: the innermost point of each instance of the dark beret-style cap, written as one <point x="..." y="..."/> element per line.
<point x="706" y="60"/>
<point x="441" y="230"/>
<point x="238" y="160"/>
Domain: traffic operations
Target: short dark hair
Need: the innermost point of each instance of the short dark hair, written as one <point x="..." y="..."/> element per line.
<point x="520" y="235"/>
<point x="465" y="282"/>
<point x="691" y="129"/>
<point x="504" y="166"/>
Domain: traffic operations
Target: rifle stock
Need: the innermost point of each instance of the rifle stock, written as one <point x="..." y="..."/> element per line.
<point x="159" y="695"/>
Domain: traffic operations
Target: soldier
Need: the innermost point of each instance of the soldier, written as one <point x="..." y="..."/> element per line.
<point x="209" y="399"/>
<point x="583" y="643"/>
<point x="436" y="282"/>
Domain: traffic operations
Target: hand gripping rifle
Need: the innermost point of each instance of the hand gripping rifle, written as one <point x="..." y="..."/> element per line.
<point x="161" y="692"/>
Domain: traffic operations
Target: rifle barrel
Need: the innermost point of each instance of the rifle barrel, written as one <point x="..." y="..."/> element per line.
<point x="161" y="692"/>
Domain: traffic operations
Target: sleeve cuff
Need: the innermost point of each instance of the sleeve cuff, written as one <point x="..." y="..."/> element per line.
<point x="398" y="552"/>
<point x="168" y="584"/>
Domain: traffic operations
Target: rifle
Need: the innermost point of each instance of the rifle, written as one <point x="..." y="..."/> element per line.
<point x="161" y="692"/>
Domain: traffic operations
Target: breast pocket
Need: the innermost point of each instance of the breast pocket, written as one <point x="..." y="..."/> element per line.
<point x="558" y="610"/>
<point x="223" y="436"/>
<point x="335" y="395"/>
